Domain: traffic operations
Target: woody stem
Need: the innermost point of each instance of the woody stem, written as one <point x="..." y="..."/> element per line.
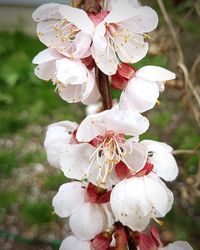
<point x="104" y="88"/>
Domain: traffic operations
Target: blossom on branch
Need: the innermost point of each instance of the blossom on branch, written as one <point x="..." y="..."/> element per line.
<point x="87" y="216"/>
<point x="103" y="145"/>
<point x="74" y="81"/>
<point x="64" y="28"/>
<point x="120" y="36"/>
<point x="142" y="91"/>
<point x="136" y="200"/>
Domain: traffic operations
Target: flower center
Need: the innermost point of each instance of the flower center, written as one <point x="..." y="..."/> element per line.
<point x="109" y="151"/>
<point x="65" y="30"/>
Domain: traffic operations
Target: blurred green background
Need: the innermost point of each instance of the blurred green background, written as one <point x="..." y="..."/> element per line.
<point x="28" y="106"/>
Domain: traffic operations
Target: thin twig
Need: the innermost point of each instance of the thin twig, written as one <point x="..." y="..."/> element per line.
<point x="186" y="151"/>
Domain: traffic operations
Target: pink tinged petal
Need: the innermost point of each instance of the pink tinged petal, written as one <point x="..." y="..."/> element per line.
<point x="74" y="243"/>
<point x="102" y="241"/>
<point x="148" y="167"/>
<point x="161" y="157"/>
<point x="88" y="221"/>
<point x="69" y="198"/>
<point x="75" y="161"/>
<point x="144" y="19"/>
<point x="146" y="242"/>
<point x="159" y="195"/>
<point x="77" y="17"/>
<point x="45" y="71"/>
<point x="122" y="170"/>
<point x="155" y="74"/>
<point x="46" y="55"/>
<point x="137" y="157"/>
<point x="140" y="95"/>
<point x="58" y="138"/>
<point x="155" y="236"/>
<point x="178" y="245"/>
<point x="46" y="12"/>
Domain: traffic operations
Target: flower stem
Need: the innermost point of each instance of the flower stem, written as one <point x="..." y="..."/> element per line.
<point x="104" y="88"/>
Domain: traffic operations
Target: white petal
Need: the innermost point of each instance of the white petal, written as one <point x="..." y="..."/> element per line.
<point x="140" y="95"/>
<point x="58" y="138"/>
<point x="144" y="20"/>
<point x="78" y="17"/>
<point x="164" y="163"/>
<point x="127" y="122"/>
<point x="91" y="93"/>
<point x="71" y="71"/>
<point x="155" y="73"/>
<point x="130" y="48"/>
<point x="70" y="93"/>
<point x="45" y="71"/>
<point x="75" y="161"/>
<point x="46" y="55"/>
<point x="178" y="245"/>
<point x="130" y="204"/>
<point x="82" y="43"/>
<point x="88" y="221"/>
<point x="75" y="86"/>
<point x="111" y="180"/>
<point x="69" y="198"/>
<point x="158" y="194"/>
<point x="74" y="243"/>
<point x="136" y="156"/>
<point x="46" y="12"/>
<point x="121" y="12"/>
<point x="158" y="147"/>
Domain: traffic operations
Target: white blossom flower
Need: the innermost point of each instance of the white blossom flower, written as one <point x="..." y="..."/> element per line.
<point x="136" y="200"/>
<point x="160" y="155"/>
<point x="103" y="145"/>
<point x="64" y="28"/>
<point x="75" y="83"/>
<point x="142" y="90"/>
<point x="120" y="36"/>
<point x="58" y="137"/>
<point x="74" y="243"/>
<point x="87" y="219"/>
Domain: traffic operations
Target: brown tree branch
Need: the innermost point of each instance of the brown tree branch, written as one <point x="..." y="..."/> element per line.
<point x="104" y="88"/>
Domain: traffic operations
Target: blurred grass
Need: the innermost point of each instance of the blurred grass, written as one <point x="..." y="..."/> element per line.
<point x="28" y="106"/>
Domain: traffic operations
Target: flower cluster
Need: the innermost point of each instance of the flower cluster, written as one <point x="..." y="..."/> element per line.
<point x="117" y="183"/>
